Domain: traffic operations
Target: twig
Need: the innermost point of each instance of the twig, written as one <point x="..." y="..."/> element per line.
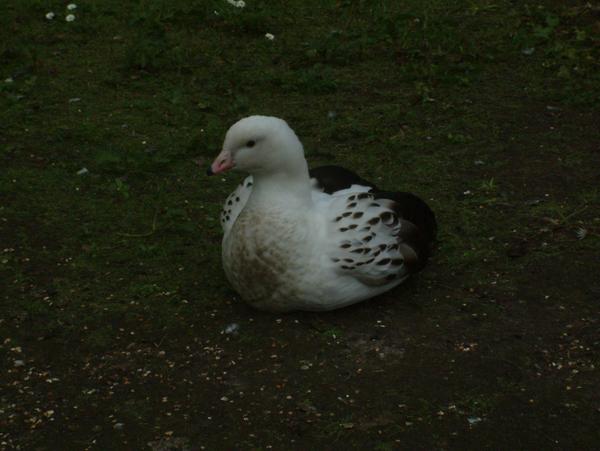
<point x="576" y="212"/>
<point x="142" y="235"/>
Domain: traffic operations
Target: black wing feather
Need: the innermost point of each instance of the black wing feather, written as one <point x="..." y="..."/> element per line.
<point x="335" y="178"/>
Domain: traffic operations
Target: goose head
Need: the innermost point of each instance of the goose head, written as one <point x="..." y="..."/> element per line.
<point x="260" y="145"/>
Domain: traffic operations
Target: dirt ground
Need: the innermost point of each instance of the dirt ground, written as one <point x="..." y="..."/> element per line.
<point x="118" y="329"/>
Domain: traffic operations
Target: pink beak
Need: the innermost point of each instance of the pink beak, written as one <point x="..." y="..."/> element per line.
<point x="222" y="163"/>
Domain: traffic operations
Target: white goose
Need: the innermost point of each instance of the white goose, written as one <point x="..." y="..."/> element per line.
<point x="318" y="240"/>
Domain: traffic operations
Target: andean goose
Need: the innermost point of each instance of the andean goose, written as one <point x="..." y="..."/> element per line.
<point x="314" y="240"/>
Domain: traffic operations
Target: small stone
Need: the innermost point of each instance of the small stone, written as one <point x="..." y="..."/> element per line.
<point x="118" y="426"/>
<point x="19" y="363"/>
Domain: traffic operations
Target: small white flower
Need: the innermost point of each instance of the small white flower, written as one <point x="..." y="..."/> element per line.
<point x="8" y="80"/>
<point x="71" y="6"/>
<point x="241" y="4"/>
<point x="50" y="15"/>
<point x="474" y="420"/>
<point x="581" y="233"/>
<point x="70" y="17"/>
<point x="269" y="36"/>
<point x="232" y="328"/>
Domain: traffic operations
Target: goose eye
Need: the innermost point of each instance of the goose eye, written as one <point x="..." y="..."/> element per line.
<point x="250" y="143"/>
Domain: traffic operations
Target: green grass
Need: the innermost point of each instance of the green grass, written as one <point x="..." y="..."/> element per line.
<point x="111" y="278"/>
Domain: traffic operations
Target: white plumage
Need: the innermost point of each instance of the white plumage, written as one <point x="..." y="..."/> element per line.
<point x="295" y="243"/>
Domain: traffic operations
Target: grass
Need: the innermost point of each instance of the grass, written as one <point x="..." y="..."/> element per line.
<point x="111" y="277"/>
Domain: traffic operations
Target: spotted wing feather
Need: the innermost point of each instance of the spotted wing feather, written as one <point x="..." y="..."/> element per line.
<point x="416" y="221"/>
<point x="368" y="243"/>
<point x="235" y="203"/>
